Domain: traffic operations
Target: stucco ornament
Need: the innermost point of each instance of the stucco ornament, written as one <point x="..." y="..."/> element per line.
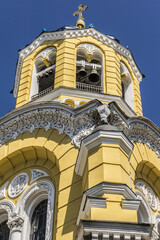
<point x="137" y="129"/>
<point x="18" y="185"/>
<point x="151" y="198"/>
<point x="141" y="186"/>
<point x="37" y="173"/>
<point x="3" y="190"/>
<point x="89" y="47"/>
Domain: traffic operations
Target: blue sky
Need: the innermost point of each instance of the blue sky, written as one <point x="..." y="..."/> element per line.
<point x="135" y="23"/>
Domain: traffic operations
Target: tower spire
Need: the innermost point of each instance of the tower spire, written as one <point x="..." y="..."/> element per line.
<point x="80" y="22"/>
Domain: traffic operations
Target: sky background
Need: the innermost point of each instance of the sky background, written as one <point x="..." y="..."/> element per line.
<point x="136" y="23"/>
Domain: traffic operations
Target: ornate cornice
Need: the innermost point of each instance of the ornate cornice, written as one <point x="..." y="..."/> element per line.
<point x="137" y="129"/>
<point x="72" y="33"/>
<point x="74" y="122"/>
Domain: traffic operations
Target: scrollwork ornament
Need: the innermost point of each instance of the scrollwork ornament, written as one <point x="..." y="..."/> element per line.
<point x="18" y="185"/>
<point x="151" y="198"/>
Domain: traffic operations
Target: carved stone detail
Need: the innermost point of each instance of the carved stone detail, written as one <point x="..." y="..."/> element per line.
<point x="16" y="224"/>
<point x="36" y="187"/>
<point x="141" y="186"/>
<point x="45" y="52"/>
<point x="3" y="190"/>
<point x="49" y="118"/>
<point x="7" y="206"/>
<point x="151" y="198"/>
<point x="136" y="129"/>
<point x="37" y="173"/>
<point x="18" y="185"/>
<point x="89" y="47"/>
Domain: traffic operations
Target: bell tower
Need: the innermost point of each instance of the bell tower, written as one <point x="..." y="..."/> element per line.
<point x="77" y="158"/>
<point x="75" y="65"/>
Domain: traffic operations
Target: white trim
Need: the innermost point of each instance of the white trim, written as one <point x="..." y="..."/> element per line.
<point x="97" y="138"/>
<point x="130" y="204"/>
<point x="72" y="34"/>
<point x="53" y="95"/>
<point x="37" y="173"/>
<point x="144" y="208"/>
<point x="3" y="190"/>
<point x="94" y="203"/>
<point x="36" y="193"/>
<point x="17" y="185"/>
<point x="100" y="189"/>
<point x="8" y="206"/>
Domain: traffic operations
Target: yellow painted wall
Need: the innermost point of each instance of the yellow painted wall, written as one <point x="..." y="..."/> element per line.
<point x="65" y="72"/>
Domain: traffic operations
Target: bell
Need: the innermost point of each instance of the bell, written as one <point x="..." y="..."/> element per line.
<point x="82" y="72"/>
<point x="94" y="76"/>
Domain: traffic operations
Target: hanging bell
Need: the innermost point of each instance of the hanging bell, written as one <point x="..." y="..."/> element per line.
<point x="82" y="72"/>
<point x="94" y="76"/>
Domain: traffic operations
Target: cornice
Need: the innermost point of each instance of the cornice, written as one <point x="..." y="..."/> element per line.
<point x="137" y="129"/>
<point x="73" y="92"/>
<point x="46" y="36"/>
<point x="111" y="136"/>
<point x="50" y="115"/>
<point x="92" y="195"/>
<point x="78" y="123"/>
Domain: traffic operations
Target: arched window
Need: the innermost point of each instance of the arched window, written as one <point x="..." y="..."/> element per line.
<point x="43" y="73"/>
<point x="89" y="70"/>
<point x="4" y="229"/>
<point x="127" y="85"/>
<point x="36" y="208"/>
<point x="38" y="221"/>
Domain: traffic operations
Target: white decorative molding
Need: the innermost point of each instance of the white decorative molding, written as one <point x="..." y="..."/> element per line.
<point x="113" y="230"/>
<point x="151" y="198"/>
<point x="3" y="190"/>
<point x="93" y="202"/>
<point x="141" y="186"/>
<point x="92" y="196"/>
<point x="89" y="47"/>
<point x="137" y="129"/>
<point x="144" y="209"/>
<point x="105" y="39"/>
<point x="98" y="137"/>
<point x="130" y="204"/>
<point x="74" y="92"/>
<point x="37" y="173"/>
<point x="18" y="185"/>
<point x="51" y="115"/>
<point x="45" y="52"/>
<point x="7" y="206"/>
<point x="38" y="191"/>
<point x="15" y="224"/>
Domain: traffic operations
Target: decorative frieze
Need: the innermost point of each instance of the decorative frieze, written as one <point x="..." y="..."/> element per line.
<point x="137" y="129"/>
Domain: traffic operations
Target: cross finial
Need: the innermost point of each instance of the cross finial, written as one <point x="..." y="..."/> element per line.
<point x="80" y="23"/>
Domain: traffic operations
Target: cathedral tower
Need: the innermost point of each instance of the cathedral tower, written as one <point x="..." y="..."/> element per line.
<point x="77" y="158"/>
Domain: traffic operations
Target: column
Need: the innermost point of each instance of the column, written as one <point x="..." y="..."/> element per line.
<point x="15" y="228"/>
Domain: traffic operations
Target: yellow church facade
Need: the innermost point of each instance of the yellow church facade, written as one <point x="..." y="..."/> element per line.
<point x="77" y="158"/>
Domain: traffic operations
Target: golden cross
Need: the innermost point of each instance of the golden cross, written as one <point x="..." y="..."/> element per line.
<point x="81" y="9"/>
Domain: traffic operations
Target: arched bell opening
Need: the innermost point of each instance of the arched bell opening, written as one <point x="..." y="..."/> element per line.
<point x="89" y="70"/>
<point x="43" y="73"/>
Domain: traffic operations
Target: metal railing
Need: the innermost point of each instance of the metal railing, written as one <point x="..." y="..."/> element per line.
<point x="88" y="87"/>
<point x="42" y="93"/>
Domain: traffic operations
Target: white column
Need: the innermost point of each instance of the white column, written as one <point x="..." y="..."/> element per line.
<point x="15" y="228"/>
<point x="94" y="236"/>
<point x="105" y="236"/>
<point x="116" y="236"/>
